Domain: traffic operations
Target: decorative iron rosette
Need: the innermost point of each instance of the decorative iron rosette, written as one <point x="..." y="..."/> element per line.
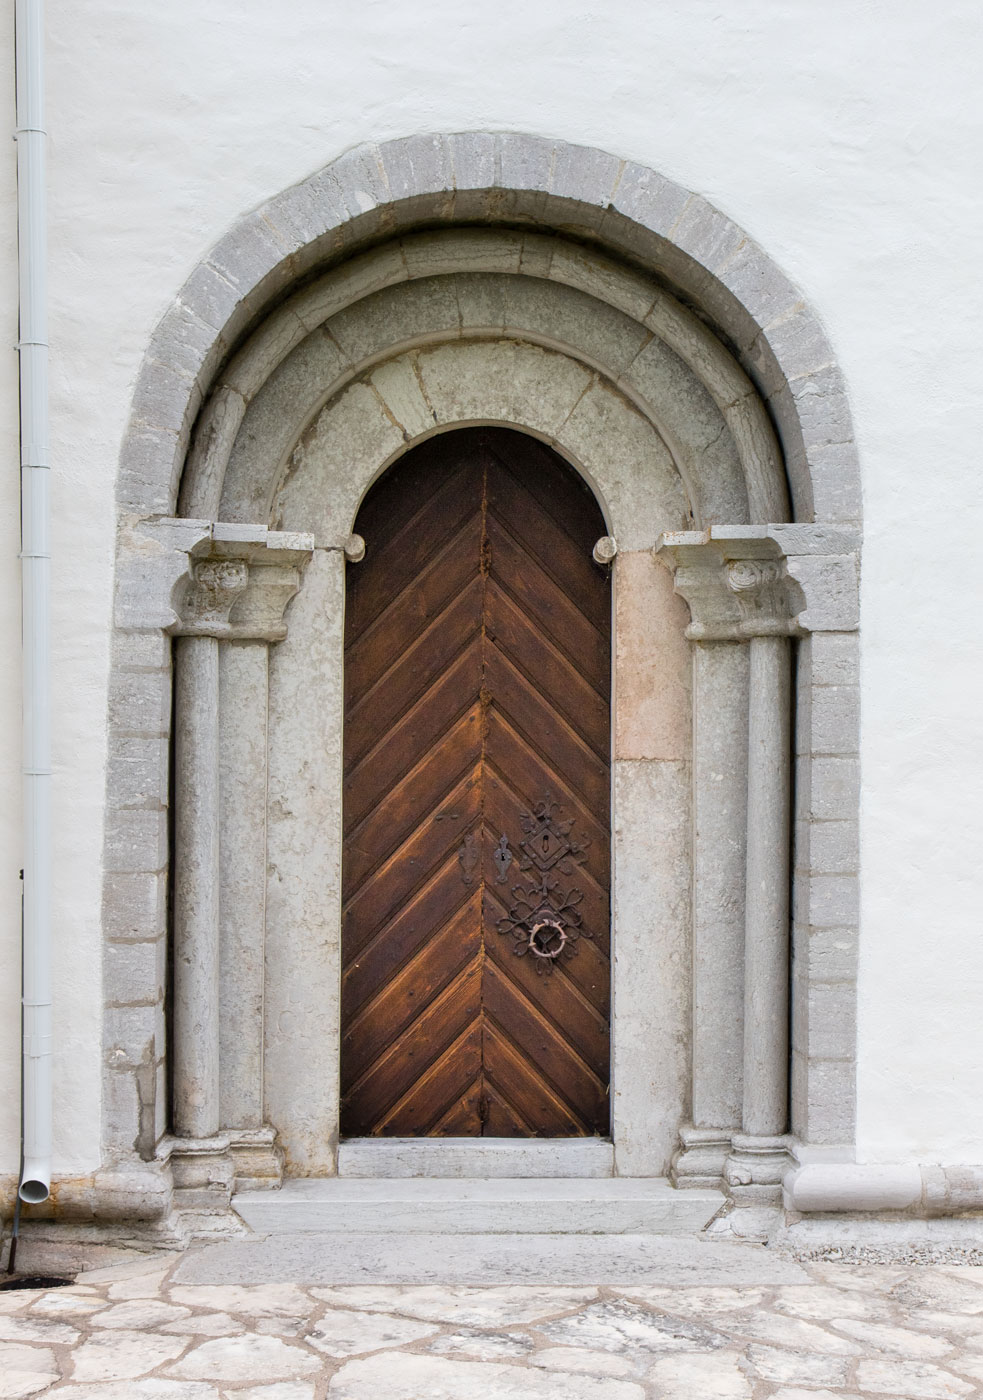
<point x="544" y="919"/>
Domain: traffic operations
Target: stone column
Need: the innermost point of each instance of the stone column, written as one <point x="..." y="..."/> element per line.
<point x="215" y="587"/>
<point x="760" y="1157"/>
<point x="719" y="801"/>
<point x="235" y="593"/>
<point x="738" y="591"/>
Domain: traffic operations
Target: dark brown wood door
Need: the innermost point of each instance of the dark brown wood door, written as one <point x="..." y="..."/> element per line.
<point x="476" y="975"/>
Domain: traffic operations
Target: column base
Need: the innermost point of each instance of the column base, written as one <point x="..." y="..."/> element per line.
<point x="699" y="1161"/>
<point x="257" y="1159"/>
<point x="755" y="1168"/>
<point x="206" y="1171"/>
<point x="203" y="1171"/>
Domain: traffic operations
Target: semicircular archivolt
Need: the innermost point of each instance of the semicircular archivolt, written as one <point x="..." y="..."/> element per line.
<point x="489" y="283"/>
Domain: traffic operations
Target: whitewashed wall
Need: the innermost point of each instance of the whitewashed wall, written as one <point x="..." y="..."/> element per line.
<point x="843" y="137"/>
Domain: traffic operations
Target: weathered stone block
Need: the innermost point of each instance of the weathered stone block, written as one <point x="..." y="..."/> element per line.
<point x="587" y="175"/>
<point x="798" y="343"/>
<point x="472" y="159"/>
<point x="835" y="481"/>
<point x="835" y="720"/>
<point x="136" y="840"/>
<point x="145" y="651"/>
<point x="120" y="1111"/>
<point x="416" y="165"/>
<point x="832" y="1031"/>
<point x="184" y="342"/>
<point x="150" y="463"/>
<point x="525" y="162"/>
<point x="835" y="789"/>
<point x="833" y="848"/>
<point x="250" y="251"/>
<point x="132" y="973"/>
<point x="706" y="235"/>
<point x="134" y="905"/>
<point x="822" y="407"/>
<point x="165" y="397"/>
<point x="835" y="658"/>
<point x="140" y="701"/>
<point x="832" y="592"/>
<point x="832" y="954"/>
<point x="648" y="198"/>
<point x="129" y="1035"/>
<point x="833" y="900"/>
<point x="760" y="287"/>
<point x="137" y="772"/>
<point x="830" y="1092"/>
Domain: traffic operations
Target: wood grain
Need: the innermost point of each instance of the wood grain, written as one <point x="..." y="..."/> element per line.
<point x="477" y="681"/>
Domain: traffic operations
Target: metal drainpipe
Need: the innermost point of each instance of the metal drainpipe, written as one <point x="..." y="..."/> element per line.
<point x="35" y="1180"/>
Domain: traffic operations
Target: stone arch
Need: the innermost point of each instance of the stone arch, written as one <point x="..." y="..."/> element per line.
<point x="666" y="311"/>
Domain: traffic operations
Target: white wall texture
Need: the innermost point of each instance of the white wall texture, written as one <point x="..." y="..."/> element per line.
<point x="844" y="137"/>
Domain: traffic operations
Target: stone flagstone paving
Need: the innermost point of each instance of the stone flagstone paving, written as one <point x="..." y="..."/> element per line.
<point x="129" y="1332"/>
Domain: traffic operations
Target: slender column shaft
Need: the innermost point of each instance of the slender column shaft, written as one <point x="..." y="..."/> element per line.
<point x="196" y="888"/>
<point x="720" y="685"/>
<point x="244" y="671"/>
<point x="767" y="895"/>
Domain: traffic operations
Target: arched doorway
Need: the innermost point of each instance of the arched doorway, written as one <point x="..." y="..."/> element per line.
<point x="476" y="865"/>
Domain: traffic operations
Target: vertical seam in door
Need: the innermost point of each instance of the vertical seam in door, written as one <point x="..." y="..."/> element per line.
<point x="484" y="564"/>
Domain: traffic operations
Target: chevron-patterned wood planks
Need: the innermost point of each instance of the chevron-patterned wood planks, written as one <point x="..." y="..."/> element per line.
<point x="477" y="675"/>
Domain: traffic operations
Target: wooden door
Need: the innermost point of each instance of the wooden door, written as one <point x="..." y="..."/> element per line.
<point x="475" y="945"/>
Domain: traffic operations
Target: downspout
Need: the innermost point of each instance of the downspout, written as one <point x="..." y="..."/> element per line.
<point x="35" y="1177"/>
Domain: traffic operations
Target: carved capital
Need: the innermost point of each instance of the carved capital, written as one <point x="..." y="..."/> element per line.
<point x="735" y="582"/>
<point x="238" y="583"/>
<point x="214" y="588"/>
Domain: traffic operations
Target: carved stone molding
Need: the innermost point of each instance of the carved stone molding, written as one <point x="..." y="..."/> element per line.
<point x="238" y="584"/>
<point x="735" y="581"/>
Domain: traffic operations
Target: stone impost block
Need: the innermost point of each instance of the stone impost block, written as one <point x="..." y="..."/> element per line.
<point x="238" y="581"/>
<point x="153" y="557"/>
<point x="734" y="579"/>
<point x="831" y="587"/>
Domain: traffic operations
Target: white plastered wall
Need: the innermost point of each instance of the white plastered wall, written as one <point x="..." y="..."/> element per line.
<point x="842" y="137"/>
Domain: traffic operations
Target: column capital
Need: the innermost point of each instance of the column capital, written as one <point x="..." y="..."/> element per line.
<point x="735" y="581"/>
<point x="238" y="583"/>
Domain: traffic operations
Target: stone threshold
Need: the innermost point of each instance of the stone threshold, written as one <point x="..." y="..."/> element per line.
<point x="471" y="1206"/>
<point x="476" y="1157"/>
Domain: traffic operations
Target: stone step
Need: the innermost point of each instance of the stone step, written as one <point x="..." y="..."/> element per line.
<point x="459" y="1206"/>
<point x="473" y="1260"/>
<point x="476" y="1157"/>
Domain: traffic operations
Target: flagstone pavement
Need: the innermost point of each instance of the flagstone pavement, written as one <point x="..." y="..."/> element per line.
<point x="133" y="1332"/>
